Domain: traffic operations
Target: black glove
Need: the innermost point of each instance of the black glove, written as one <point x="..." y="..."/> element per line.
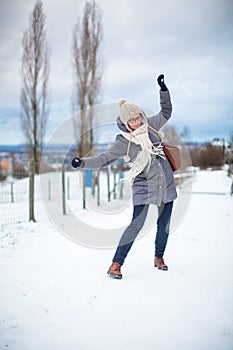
<point x="161" y="83"/>
<point x="76" y="162"/>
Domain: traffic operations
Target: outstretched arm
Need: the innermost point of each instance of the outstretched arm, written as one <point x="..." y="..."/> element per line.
<point x="117" y="150"/>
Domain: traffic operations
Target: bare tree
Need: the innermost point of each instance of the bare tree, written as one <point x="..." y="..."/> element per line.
<point x="185" y="133"/>
<point x="34" y="90"/>
<point x="172" y="137"/>
<point x="87" y="65"/>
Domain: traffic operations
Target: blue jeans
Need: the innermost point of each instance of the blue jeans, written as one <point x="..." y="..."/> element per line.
<point x="138" y="220"/>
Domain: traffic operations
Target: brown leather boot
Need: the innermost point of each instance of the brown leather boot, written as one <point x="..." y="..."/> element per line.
<point x="114" y="271"/>
<point x="159" y="262"/>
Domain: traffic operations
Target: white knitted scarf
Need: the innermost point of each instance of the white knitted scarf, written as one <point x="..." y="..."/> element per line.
<point x="143" y="159"/>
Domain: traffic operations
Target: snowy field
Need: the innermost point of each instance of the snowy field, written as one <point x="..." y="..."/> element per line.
<point x="55" y="294"/>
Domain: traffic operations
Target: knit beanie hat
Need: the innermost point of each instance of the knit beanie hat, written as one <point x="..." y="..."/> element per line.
<point x="127" y="110"/>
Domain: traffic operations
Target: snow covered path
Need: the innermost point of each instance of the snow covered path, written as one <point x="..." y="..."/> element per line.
<point x="55" y="295"/>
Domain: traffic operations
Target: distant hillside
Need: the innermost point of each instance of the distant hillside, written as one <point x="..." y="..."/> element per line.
<point x="22" y="148"/>
<point x="13" y="148"/>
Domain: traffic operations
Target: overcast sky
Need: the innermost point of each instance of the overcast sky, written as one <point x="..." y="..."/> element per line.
<point x="191" y="42"/>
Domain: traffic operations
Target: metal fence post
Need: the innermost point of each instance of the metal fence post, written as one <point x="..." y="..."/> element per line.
<point x="108" y="184"/>
<point x="12" y="192"/>
<point x="63" y="191"/>
<point x="114" y="188"/>
<point x="84" y="190"/>
<point x="121" y="175"/>
<point x="31" y="190"/>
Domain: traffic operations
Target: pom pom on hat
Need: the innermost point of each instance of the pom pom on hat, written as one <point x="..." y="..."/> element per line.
<point x="121" y="102"/>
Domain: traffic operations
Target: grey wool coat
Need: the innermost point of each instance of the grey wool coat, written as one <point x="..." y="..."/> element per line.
<point x="156" y="186"/>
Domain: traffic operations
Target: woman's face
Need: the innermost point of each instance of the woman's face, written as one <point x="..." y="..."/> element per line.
<point x="135" y="122"/>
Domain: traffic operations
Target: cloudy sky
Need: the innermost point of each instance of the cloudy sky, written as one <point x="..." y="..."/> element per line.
<point x="191" y="42"/>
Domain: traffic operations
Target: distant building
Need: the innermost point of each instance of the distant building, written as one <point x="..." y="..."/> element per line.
<point x="4" y="169"/>
<point x="220" y="143"/>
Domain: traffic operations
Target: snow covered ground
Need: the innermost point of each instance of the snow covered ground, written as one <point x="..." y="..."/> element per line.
<point x="55" y="295"/>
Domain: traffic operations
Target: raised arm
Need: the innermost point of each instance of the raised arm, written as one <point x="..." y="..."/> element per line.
<point x="164" y="114"/>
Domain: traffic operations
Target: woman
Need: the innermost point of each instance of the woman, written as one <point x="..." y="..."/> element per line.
<point x="151" y="175"/>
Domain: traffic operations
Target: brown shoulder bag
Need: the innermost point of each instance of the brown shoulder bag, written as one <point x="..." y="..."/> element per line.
<point x="172" y="153"/>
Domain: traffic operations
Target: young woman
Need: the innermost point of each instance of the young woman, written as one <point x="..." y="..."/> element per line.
<point x="151" y="175"/>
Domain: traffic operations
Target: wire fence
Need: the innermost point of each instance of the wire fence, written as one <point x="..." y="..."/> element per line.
<point x="64" y="185"/>
<point x="14" y="201"/>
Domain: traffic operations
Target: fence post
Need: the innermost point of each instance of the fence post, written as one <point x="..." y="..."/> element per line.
<point x="84" y="189"/>
<point x="98" y="187"/>
<point x="108" y="184"/>
<point x="121" y="175"/>
<point x="31" y="190"/>
<point x="12" y="192"/>
<point x="63" y="191"/>
<point x="114" y="188"/>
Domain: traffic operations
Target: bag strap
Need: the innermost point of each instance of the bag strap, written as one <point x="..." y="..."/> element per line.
<point x="151" y="127"/>
<point x="156" y="131"/>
